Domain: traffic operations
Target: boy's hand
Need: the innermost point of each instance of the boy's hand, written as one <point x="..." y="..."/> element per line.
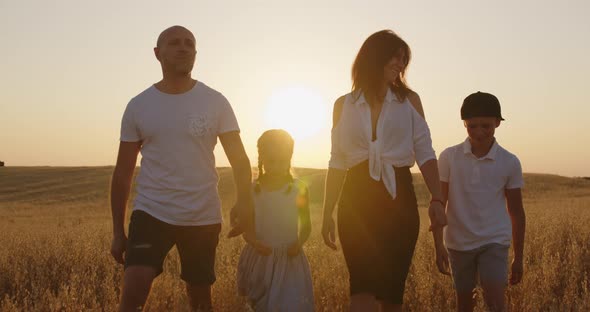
<point x="442" y="260"/>
<point x="329" y="232"/>
<point x="294" y="249"/>
<point x="436" y="212"/>
<point x="517" y="271"/>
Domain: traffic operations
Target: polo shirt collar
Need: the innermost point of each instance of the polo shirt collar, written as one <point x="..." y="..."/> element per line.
<point x="491" y="154"/>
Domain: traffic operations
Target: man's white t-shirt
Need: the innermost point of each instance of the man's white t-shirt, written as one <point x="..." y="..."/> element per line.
<point x="177" y="182"/>
<point x="476" y="208"/>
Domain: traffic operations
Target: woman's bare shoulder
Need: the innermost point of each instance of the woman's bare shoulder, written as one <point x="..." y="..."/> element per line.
<point x="337" y="112"/>
<point x="416" y="102"/>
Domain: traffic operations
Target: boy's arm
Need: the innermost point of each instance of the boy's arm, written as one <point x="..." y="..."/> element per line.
<point x="442" y="257"/>
<point x="234" y="150"/>
<point x="517" y="215"/>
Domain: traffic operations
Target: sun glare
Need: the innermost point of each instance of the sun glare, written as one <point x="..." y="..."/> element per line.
<point x="298" y="110"/>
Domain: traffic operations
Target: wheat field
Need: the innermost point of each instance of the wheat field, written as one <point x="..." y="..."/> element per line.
<point x="56" y="229"/>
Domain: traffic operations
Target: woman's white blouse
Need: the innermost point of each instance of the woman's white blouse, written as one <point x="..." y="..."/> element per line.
<point x="402" y="138"/>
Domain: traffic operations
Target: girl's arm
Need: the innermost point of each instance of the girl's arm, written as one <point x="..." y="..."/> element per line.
<point x="516" y="211"/>
<point x="304" y="218"/>
<point x="304" y="222"/>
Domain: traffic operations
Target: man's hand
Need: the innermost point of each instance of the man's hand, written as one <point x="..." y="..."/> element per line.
<point x="118" y="246"/>
<point x="516" y="272"/>
<point x="329" y="232"/>
<point x="442" y="260"/>
<point x="234" y="222"/>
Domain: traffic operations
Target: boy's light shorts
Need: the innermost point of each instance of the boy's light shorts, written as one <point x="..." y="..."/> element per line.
<point x="488" y="262"/>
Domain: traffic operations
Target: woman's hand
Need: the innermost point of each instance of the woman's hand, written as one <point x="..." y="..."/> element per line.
<point x="436" y="212"/>
<point x="329" y="232"/>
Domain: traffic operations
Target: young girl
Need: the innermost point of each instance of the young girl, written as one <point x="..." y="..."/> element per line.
<point x="273" y="271"/>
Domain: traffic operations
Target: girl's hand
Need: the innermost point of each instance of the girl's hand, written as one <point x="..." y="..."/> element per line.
<point x="259" y="246"/>
<point x="516" y="273"/>
<point x="294" y="249"/>
<point x="329" y="232"/>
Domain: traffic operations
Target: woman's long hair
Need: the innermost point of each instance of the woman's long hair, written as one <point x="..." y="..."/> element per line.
<point x="368" y="67"/>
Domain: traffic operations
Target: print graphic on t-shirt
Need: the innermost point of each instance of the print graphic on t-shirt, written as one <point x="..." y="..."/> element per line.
<point x="198" y="125"/>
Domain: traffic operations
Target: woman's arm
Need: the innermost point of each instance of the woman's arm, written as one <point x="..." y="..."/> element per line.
<point x="426" y="159"/>
<point x="442" y="256"/>
<point x="436" y="210"/>
<point x="334" y="180"/>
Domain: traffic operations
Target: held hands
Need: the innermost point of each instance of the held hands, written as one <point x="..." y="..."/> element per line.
<point x="437" y="215"/>
<point x="329" y="232"/>
<point x="118" y="246"/>
<point x="241" y="218"/>
<point x="516" y="272"/>
<point x="236" y="228"/>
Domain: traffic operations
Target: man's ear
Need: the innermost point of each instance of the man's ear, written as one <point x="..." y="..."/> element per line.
<point x="498" y="122"/>
<point x="156" y="53"/>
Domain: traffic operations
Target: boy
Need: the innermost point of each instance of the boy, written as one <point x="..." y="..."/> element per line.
<point x="481" y="185"/>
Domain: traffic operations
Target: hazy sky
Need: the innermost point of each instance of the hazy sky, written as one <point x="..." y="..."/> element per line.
<point x="68" y="69"/>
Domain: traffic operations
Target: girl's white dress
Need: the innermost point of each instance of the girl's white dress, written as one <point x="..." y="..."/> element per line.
<point x="276" y="282"/>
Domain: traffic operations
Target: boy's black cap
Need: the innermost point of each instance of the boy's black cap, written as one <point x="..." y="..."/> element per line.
<point x="481" y="104"/>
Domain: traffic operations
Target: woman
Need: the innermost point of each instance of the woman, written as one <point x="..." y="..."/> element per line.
<point x="378" y="133"/>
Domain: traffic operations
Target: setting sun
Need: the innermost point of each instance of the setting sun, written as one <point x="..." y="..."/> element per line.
<point x="298" y="110"/>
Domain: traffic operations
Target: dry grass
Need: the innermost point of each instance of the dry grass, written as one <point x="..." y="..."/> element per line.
<point x="55" y="239"/>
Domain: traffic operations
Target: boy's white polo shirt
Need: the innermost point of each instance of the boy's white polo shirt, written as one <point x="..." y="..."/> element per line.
<point x="476" y="208"/>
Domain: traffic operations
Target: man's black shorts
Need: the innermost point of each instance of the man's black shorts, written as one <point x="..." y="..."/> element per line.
<point x="150" y="240"/>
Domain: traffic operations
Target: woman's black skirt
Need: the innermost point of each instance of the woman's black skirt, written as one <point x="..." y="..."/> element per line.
<point x="378" y="234"/>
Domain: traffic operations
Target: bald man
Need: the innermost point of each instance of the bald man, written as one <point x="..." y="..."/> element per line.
<point x="175" y="124"/>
